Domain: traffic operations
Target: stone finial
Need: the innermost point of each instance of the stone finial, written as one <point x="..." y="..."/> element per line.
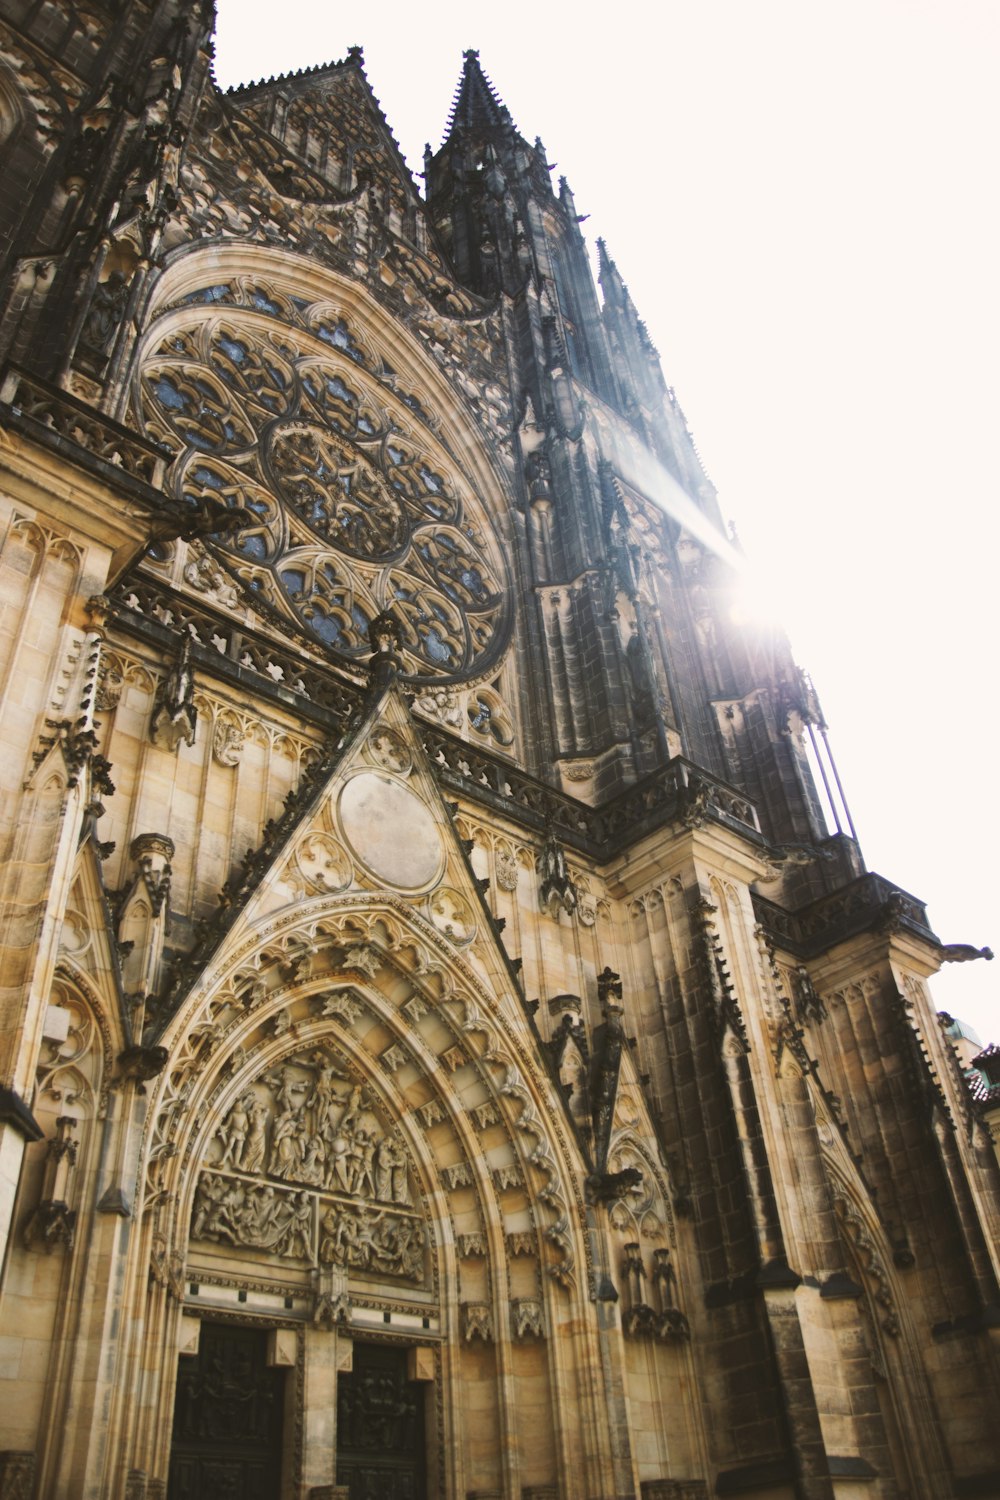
<point x="556" y="891"/>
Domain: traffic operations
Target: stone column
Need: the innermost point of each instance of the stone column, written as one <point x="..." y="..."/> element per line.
<point x="324" y="1349"/>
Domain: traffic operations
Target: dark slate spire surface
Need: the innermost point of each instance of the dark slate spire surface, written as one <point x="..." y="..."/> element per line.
<point x="610" y="278"/>
<point x="477" y="107"/>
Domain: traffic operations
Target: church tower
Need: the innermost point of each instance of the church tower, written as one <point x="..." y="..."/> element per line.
<point x="452" y="1045"/>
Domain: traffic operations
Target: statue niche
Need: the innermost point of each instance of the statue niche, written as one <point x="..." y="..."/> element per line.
<point x="303" y="1168"/>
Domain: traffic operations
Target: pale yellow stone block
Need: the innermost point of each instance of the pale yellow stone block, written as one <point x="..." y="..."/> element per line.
<point x="281" y="1347"/>
<point x="189" y="1335"/>
<point x="420" y="1363"/>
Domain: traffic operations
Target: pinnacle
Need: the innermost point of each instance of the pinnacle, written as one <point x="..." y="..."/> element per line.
<point x="477" y="107"/>
<point x="610" y="278"/>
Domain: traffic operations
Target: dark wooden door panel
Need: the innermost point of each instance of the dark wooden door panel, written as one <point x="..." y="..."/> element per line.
<point x="227" y="1420"/>
<point x="380" y="1427"/>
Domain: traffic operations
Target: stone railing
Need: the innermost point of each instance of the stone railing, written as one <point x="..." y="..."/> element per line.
<point x="222" y="649"/>
<point x="34" y="403"/>
<point x="679" y="790"/>
<point x="869" y="901"/>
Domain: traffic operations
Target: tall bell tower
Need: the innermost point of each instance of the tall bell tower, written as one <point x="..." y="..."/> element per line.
<point x="634" y="583"/>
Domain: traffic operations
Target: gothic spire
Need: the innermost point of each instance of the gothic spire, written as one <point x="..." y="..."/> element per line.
<point x="615" y="291"/>
<point x="477" y="107"/>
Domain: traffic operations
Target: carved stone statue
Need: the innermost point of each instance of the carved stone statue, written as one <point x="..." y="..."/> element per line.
<point x="233" y="1132"/>
<point x="106" y="310"/>
<point x="174" y="714"/>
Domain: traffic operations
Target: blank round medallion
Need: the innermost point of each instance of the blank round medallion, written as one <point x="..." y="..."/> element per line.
<point x="391" y="831"/>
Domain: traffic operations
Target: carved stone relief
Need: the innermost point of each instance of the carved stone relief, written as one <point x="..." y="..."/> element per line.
<point x="520" y="1242"/>
<point x="340" y="1005"/>
<point x="430" y="1113"/>
<point x="526" y="1318"/>
<point x="228" y="740"/>
<point x="506" y="1177"/>
<point x="323" y="863"/>
<point x="486" y="1114"/>
<point x="311" y="1167"/>
<point x="506" y="870"/>
<point x="458" y="1175"/>
<point x="109" y="689"/>
<point x="439" y="704"/>
<point x="452" y="916"/>
<point x="387" y="750"/>
<point x="477" y="1322"/>
<point x="587" y="909"/>
<point x="308" y="1125"/>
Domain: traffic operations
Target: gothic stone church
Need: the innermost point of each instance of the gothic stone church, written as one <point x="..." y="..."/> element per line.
<point x="446" y="1051"/>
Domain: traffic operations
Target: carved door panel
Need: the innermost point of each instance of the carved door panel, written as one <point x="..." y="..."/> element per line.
<point x="380" y="1427"/>
<point x="227" y="1419"/>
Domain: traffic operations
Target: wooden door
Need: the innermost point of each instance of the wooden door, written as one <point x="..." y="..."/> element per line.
<point x="380" y="1427"/>
<point x="227" y="1419"/>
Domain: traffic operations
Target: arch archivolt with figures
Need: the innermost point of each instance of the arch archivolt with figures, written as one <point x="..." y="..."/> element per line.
<point x="349" y="1131"/>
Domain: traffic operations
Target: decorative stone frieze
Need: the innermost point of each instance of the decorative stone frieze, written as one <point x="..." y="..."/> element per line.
<point x="521" y="1242"/>
<point x="341" y="1005"/>
<point x="394" y="1058"/>
<point x="507" y="1177"/>
<point x="459" y="1175"/>
<point x="414" y="1009"/>
<point x="431" y="1113"/>
<point x="526" y="1318"/>
<point x="302" y="1167"/>
<point x="485" y="1115"/>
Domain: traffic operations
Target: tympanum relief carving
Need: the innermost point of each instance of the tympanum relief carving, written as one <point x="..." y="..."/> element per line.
<point x="303" y="1168"/>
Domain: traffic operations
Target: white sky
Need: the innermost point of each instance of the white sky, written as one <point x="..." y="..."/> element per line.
<point x="802" y="199"/>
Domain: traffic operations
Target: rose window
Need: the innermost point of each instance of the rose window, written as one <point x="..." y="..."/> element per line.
<point x="281" y="409"/>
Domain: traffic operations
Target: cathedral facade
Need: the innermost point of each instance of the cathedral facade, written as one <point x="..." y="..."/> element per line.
<point x="446" y="1049"/>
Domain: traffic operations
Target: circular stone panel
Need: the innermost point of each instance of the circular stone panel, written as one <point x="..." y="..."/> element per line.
<point x="391" y="831"/>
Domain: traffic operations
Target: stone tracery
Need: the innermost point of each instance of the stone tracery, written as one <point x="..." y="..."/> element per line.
<point x="284" y="411"/>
